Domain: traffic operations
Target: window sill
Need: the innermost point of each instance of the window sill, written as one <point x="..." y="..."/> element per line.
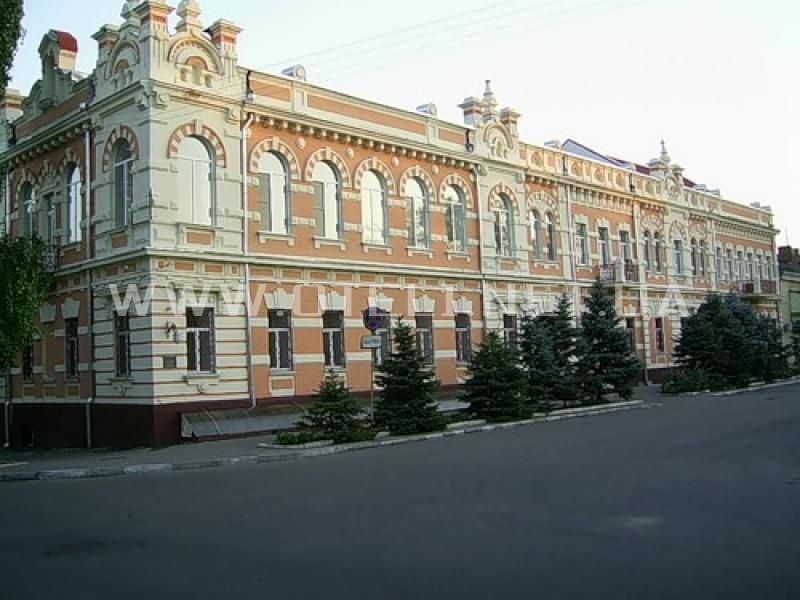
<point x="264" y="236"/>
<point x="418" y="251"/>
<point x="281" y="373"/>
<point x="203" y="381"/>
<point x="323" y="241"/>
<point x="121" y="379"/>
<point x="71" y="247"/>
<point x="367" y="246"/>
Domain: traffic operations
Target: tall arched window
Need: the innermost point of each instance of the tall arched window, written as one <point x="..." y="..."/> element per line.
<point x="418" y="227"/>
<point x="701" y="259"/>
<point x="28" y="195"/>
<point x="503" y="226"/>
<point x="327" y="201"/>
<point x="536" y="234"/>
<point x="274" y="194"/>
<point x="456" y="218"/>
<point x="74" y="204"/>
<point x="374" y="208"/>
<point x="552" y="237"/>
<point x="648" y="250"/>
<point x="123" y="183"/>
<point x="695" y="258"/>
<point x="196" y="179"/>
<point x="658" y="251"/>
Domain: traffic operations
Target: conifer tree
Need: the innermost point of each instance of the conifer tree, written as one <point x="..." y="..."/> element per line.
<point x="607" y="363"/>
<point x="407" y="404"/>
<point x="335" y="414"/>
<point x="496" y="388"/>
<point x="538" y="360"/>
<point x="564" y="337"/>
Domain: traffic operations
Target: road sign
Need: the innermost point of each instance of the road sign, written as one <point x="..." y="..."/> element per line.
<point x="371" y="342"/>
<point x="375" y="318"/>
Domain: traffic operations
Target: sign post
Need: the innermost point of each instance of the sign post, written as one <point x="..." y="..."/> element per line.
<point x="374" y="319"/>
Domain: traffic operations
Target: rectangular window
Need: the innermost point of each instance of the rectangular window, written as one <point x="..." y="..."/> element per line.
<point x="660" y="340"/>
<point x="27" y="362"/>
<point x="630" y="329"/>
<point x="730" y="271"/>
<point x="463" y="339"/>
<point x="200" y="353"/>
<point x="280" y="340"/>
<point x="49" y="226"/>
<point x="424" y="325"/>
<point x="122" y="330"/>
<point x="605" y="249"/>
<point x="510" y="331"/>
<point x="625" y="246"/>
<point x="678" y="256"/>
<point x="72" y="357"/>
<point x="718" y="264"/>
<point x="123" y="192"/>
<point x="739" y="266"/>
<point x="417" y="222"/>
<point x="273" y="203"/>
<point x="333" y="338"/>
<point x="583" y="244"/>
<point x="456" y="223"/>
<point x="750" y="268"/>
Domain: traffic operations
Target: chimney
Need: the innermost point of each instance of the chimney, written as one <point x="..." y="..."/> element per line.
<point x="509" y="117"/>
<point x="473" y="111"/>
<point x="428" y="109"/>
<point x="224" y="34"/>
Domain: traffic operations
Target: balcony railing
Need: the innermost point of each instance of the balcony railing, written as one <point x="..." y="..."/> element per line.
<point x="747" y="287"/>
<point x="606" y="273"/>
<point x="631" y="272"/>
<point x="768" y="286"/>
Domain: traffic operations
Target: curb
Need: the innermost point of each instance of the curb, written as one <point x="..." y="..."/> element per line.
<point x="756" y="388"/>
<point x="144" y="469"/>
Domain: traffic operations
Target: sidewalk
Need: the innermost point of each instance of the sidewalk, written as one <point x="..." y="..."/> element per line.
<point x="32" y="464"/>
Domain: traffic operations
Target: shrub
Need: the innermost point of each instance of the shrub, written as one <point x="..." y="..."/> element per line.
<point x="496" y="387"/>
<point x="335" y="414"/>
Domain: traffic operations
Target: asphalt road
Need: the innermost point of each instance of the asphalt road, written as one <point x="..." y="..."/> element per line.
<point x="697" y="499"/>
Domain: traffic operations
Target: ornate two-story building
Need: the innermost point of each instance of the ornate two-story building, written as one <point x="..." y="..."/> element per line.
<point x="218" y="232"/>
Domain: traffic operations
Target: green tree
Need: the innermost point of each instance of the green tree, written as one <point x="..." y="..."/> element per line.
<point x="11" y="13"/>
<point x="607" y="362"/>
<point x="24" y="285"/>
<point x="538" y="359"/>
<point x="407" y="402"/>
<point x="496" y="387"/>
<point x="335" y="414"/>
<point x="564" y="337"/>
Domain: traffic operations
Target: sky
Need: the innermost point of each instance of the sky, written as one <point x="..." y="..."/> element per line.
<point x="718" y="80"/>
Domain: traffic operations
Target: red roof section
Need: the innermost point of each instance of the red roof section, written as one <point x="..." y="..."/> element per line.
<point x="66" y="41"/>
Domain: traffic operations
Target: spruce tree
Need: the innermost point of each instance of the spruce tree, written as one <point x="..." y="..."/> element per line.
<point x="335" y="414"/>
<point x="607" y="362"/>
<point x="538" y="360"/>
<point x="564" y="337"/>
<point x="496" y="387"/>
<point x="407" y="404"/>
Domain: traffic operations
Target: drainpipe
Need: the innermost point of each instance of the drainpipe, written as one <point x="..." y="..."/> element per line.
<point x="7" y="402"/>
<point x="251" y="387"/>
<point x="87" y="194"/>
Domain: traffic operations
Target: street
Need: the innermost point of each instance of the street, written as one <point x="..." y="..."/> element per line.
<point x="698" y="498"/>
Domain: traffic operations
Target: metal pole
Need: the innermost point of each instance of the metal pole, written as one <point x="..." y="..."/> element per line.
<point x="372" y="388"/>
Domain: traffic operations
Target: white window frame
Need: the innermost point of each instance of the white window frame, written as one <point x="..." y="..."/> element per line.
<point x="604" y="246"/>
<point x="456" y="218"/>
<point x="425" y="338"/>
<point x="276" y="333"/>
<point x="375" y="212"/>
<point x="268" y="203"/>
<point x="582" y="235"/>
<point x="463" y="332"/>
<point x="195" y="332"/>
<point x="211" y="163"/>
<point x="329" y="341"/>
<point x="504" y="228"/>
<point x="74" y="194"/>
<point x="123" y="174"/>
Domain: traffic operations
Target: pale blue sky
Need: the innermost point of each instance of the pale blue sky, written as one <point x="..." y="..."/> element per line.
<point x="719" y="80"/>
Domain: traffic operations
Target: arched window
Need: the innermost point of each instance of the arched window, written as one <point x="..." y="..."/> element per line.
<point x="677" y="246"/>
<point x="274" y="202"/>
<point x="418" y="210"/>
<point x="327" y="201"/>
<point x="701" y="259"/>
<point x="374" y="208"/>
<point x="74" y="204"/>
<point x="456" y="218"/>
<point x="648" y="251"/>
<point x="536" y="234"/>
<point x="552" y="237"/>
<point x="123" y="183"/>
<point x="658" y="251"/>
<point x="28" y="195"/>
<point x="695" y="258"/>
<point x="503" y="227"/>
<point x="196" y="179"/>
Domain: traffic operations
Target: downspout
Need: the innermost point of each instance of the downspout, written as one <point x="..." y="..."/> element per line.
<point x="87" y="191"/>
<point x="7" y="401"/>
<point x="251" y="388"/>
<point x="484" y="284"/>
